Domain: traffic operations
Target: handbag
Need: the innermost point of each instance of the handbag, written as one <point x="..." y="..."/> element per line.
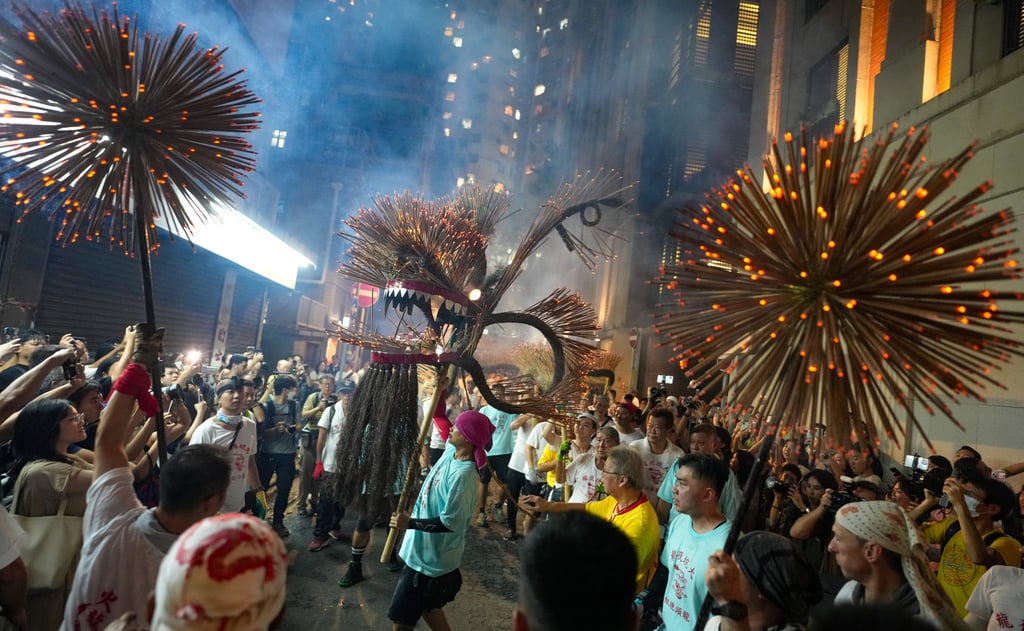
<point x="51" y="546"/>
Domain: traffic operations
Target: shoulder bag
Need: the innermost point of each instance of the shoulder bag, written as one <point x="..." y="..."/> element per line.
<point x="52" y="543"/>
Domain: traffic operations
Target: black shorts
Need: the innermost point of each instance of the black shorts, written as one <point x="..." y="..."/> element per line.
<point x="417" y="593"/>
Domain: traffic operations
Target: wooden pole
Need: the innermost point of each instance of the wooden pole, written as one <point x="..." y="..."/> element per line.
<point x="444" y="377"/>
<point x="142" y="230"/>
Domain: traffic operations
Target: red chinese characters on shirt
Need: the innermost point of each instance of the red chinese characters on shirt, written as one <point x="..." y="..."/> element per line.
<point x="95" y="614"/>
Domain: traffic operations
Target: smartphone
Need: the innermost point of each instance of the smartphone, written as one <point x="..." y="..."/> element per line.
<point x="916" y="462"/>
<point x="70" y="370"/>
<point x="10" y="333"/>
<point x="172" y="411"/>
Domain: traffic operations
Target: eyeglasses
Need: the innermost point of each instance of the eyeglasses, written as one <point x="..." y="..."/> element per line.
<point x="612" y="473"/>
<point x="80" y="417"/>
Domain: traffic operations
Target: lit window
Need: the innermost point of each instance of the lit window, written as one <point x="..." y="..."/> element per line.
<point x="537" y="91"/>
<point x="487" y="59"/>
<point x="700" y="55"/>
<point x="453" y="12"/>
<point x="508" y="110"/>
<point x="515" y="135"/>
<point x="474" y="66"/>
<point x="452" y="77"/>
<point x="470" y="178"/>
<point x="447" y="132"/>
<point x="517" y="116"/>
<point x="516" y="53"/>
<point x="277" y="138"/>
<point x="564" y="24"/>
<point x="540" y="10"/>
<point x="447" y="115"/>
<point x="461" y="24"/>
<point x="449" y="97"/>
<point x="746" y="38"/>
<point x="448" y="31"/>
<point x="460" y="181"/>
<point x="499" y="187"/>
<point x="467" y="123"/>
<point x="457" y="41"/>
<point x="503" y="149"/>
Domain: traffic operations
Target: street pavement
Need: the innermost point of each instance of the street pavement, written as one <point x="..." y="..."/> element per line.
<point x="490" y="570"/>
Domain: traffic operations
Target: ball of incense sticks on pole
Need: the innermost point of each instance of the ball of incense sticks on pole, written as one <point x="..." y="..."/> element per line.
<point x="107" y="132"/>
<point x="847" y="291"/>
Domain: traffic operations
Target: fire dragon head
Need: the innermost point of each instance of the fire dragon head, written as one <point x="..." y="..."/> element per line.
<point x="430" y="258"/>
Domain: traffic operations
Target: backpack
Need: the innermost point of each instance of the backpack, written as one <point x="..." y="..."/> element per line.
<point x="989" y="539"/>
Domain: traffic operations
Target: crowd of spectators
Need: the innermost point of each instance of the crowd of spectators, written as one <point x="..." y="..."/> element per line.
<point x="829" y="523"/>
<point x="936" y="540"/>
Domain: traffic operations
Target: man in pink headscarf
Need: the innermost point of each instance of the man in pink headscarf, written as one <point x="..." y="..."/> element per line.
<point x="432" y="551"/>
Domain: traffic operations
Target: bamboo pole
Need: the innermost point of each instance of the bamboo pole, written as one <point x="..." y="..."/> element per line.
<point x="444" y="377"/>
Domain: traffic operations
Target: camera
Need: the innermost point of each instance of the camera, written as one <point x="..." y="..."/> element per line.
<point x="841" y="499"/>
<point x="331" y="400"/>
<point x="776" y="485"/>
<point x="252" y="350"/>
<point x="70" y="370"/>
<point x="656" y="391"/>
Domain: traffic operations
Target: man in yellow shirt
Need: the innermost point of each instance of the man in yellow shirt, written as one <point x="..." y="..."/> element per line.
<point x="970" y="541"/>
<point x="626" y="506"/>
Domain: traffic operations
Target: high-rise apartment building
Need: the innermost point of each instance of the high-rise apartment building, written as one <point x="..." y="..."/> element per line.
<point x="955" y="67"/>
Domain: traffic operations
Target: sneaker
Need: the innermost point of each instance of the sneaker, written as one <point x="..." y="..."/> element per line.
<point x="511" y="535"/>
<point x="353" y="576"/>
<point x="318" y="544"/>
<point x="304" y="512"/>
<point x="499" y="513"/>
<point x="281" y="530"/>
<point x="336" y="534"/>
<point x="394" y="564"/>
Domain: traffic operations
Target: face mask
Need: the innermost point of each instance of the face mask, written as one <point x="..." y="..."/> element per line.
<point x="972" y="505"/>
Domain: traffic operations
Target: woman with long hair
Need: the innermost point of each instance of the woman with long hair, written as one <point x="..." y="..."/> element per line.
<point x="47" y="475"/>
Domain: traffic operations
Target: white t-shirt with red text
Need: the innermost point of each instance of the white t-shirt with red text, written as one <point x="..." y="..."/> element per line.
<point x="121" y="553"/>
<point x="210" y="432"/>
<point x="655" y="465"/>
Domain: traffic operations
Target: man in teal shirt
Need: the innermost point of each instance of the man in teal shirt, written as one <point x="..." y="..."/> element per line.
<point x="433" y="548"/>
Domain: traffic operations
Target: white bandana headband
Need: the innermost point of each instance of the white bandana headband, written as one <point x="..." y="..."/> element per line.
<point x="225" y="573"/>
<point x="891" y="527"/>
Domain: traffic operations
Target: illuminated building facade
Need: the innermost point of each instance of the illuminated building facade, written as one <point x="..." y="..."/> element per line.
<point x="954" y="66"/>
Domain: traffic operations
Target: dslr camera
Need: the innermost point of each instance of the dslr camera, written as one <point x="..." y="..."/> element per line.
<point x="841" y="499"/>
<point x="331" y="400"/>
<point x="777" y="486"/>
<point x="657" y="391"/>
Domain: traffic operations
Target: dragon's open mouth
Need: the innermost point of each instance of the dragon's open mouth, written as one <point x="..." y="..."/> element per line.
<point x="441" y="306"/>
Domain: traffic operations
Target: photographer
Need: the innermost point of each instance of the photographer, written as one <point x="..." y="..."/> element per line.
<point x="813" y="529"/>
<point x="312" y="411"/>
<point x="787" y="501"/>
<point x="279" y="418"/>
<point x="969" y="539"/>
